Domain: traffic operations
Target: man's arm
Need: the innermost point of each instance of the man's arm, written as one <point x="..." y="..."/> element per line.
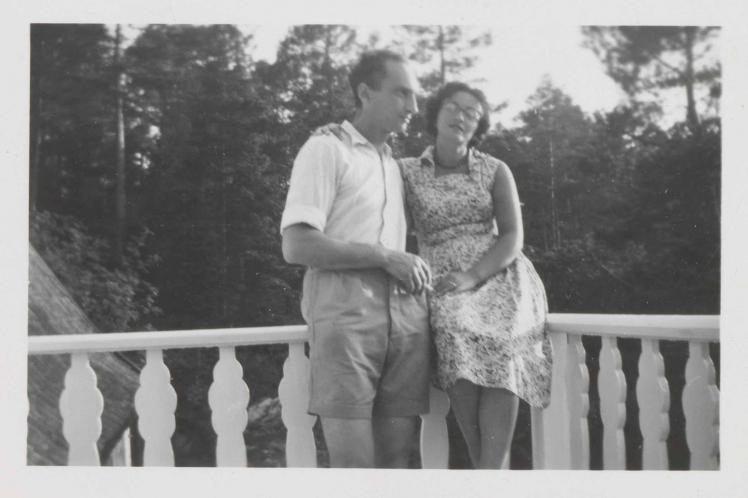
<point x="304" y="245"/>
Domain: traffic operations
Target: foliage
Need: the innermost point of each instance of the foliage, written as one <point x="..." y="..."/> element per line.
<point x="115" y="299"/>
<point x="215" y="190"/>
<point x="71" y="128"/>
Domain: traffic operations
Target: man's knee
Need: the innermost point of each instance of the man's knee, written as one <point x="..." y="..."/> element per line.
<point x="396" y="440"/>
<point x="349" y="442"/>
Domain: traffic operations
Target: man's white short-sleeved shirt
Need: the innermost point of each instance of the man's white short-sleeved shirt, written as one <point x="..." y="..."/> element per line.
<point x="346" y="190"/>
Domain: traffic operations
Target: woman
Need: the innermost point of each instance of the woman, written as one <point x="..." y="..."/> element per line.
<point x="488" y="306"/>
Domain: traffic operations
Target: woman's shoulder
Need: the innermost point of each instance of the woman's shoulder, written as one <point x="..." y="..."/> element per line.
<point x="493" y="168"/>
<point x="409" y="165"/>
<point x="488" y="159"/>
<point x="492" y="163"/>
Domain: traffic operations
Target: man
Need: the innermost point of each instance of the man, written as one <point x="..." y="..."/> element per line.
<point x="363" y="294"/>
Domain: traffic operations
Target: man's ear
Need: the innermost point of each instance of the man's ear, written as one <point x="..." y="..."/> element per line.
<point x="364" y="92"/>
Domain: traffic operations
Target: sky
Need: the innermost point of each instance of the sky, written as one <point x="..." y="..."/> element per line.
<point x="513" y="65"/>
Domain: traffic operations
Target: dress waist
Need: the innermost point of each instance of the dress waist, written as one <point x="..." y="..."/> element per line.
<point x="457" y="231"/>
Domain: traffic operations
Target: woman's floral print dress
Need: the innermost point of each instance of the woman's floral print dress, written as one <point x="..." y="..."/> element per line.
<point x="494" y="335"/>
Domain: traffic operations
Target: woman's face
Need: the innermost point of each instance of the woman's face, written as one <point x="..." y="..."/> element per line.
<point x="458" y="117"/>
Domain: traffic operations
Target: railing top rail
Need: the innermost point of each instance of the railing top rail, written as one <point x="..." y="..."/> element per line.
<point x="171" y="339"/>
<point x="668" y="327"/>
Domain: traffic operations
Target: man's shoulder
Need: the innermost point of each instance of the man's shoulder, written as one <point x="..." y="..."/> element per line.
<point x="324" y="141"/>
<point x="322" y="146"/>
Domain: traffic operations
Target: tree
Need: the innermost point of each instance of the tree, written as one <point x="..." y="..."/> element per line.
<point x="557" y="135"/>
<point x="450" y="48"/>
<point x="214" y="192"/>
<point x="644" y="59"/>
<point x="309" y="80"/>
<point x="71" y="125"/>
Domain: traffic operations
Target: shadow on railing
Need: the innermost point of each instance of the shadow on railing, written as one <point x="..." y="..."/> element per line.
<point x="560" y="433"/>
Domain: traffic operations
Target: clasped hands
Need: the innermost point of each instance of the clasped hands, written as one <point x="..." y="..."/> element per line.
<point x="457" y="281"/>
<point x="410" y="270"/>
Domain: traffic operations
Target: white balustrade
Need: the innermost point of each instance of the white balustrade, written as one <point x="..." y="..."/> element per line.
<point x="560" y="432"/>
<point x="611" y="385"/>
<point x="293" y="393"/>
<point x="578" y="381"/>
<point x="701" y="408"/>
<point x="228" y="397"/>
<point x="81" y="406"/>
<point x="653" y="395"/>
<point x="434" y="440"/>
<point x="155" y="403"/>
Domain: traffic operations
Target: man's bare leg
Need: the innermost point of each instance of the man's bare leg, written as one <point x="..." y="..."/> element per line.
<point x="394" y="438"/>
<point x="349" y="442"/>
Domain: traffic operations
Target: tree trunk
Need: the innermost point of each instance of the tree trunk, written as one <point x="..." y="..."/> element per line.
<point x="35" y="125"/>
<point x="120" y="199"/>
<point x="442" y="62"/>
<point x="555" y="234"/>
<point x="692" y="117"/>
<point x="327" y="69"/>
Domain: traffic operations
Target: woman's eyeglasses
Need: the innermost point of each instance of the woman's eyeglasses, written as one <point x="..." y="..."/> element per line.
<point x="470" y="114"/>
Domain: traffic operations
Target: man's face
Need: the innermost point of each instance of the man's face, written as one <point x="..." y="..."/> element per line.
<point x="395" y="101"/>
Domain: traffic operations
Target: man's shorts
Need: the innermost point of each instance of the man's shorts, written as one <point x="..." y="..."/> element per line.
<point x="370" y="345"/>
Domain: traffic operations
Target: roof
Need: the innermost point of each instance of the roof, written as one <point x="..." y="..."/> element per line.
<point x="52" y="310"/>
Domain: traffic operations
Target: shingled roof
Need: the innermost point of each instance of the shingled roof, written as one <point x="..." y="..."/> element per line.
<point x="52" y="310"/>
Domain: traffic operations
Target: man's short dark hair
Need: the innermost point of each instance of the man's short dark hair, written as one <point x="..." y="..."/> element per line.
<point x="435" y="102"/>
<point x="371" y="69"/>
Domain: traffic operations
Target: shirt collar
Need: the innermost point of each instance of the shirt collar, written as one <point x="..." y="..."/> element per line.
<point x="427" y="159"/>
<point x="358" y="139"/>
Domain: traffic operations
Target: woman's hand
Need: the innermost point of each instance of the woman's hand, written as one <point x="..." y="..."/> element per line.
<point x="457" y="281"/>
<point x="330" y="129"/>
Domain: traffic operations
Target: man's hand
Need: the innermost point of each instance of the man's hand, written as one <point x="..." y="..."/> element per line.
<point x="457" y="281"/>
<point x="410" y="270"/>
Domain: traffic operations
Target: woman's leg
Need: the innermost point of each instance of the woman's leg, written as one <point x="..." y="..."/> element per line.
<point x="463" y="397"/>
<point x="497" y="415"/>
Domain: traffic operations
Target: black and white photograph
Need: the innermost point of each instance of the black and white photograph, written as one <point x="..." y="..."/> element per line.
<point x="420" y="256"/>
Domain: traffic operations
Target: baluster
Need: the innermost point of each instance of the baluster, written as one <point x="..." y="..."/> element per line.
<point x="155" y="403"/>
<point x="578" y="379"/>
<point x="434" y="439"/>
<point x="611" y="384"/>
<point x="550" y="427"/>
<point x="293" y="392"/>
<point x="228" y="397"/>
<point x="701" y="408"/>
<point x="81" y="405"/>
<point x="653" y="395"/>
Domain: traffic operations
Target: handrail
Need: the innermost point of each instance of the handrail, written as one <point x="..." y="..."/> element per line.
<point x="171" y="339"/>
<point x="661" y="327"/>
<point x="667" y="327"/>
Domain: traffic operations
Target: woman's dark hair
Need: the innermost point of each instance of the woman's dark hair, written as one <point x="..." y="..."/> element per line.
<point x="371" y="69"/>
<point x="435" y="102"/>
